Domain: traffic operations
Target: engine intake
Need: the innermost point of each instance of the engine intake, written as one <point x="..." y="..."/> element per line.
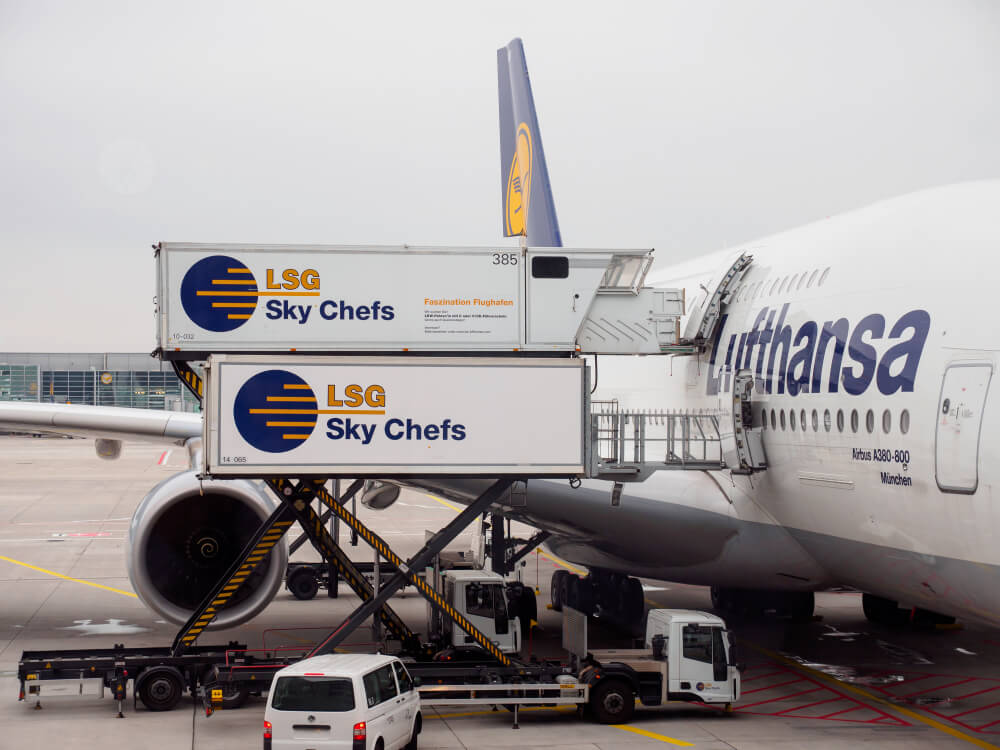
<point x="186" y="533"/>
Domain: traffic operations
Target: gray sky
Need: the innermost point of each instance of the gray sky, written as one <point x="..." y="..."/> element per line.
<point x="684" y="126"/>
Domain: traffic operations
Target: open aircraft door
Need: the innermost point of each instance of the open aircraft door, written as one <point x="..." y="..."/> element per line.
<point x="959" y="421"/>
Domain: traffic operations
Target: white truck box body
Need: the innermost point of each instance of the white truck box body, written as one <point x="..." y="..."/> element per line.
<point x="332" y="298"/>
<point x="384" y="416"/>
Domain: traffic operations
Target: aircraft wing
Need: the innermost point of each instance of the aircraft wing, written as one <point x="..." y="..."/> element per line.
<point x="107" y="422"/>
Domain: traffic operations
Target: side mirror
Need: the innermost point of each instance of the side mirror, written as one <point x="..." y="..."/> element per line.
<point x="500" y="623"/>
<point x="417" y="682"/>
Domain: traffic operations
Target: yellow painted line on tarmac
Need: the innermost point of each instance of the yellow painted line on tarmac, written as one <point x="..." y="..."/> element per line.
<point x="561" y="709"/>
<point x="915" y="715"/>
<point x="546" y="555"/>
<point x="653" y="735"/>
<point x="68" y="578"/>
<point x="445" y="503"/>
<point x="563" y="563"/>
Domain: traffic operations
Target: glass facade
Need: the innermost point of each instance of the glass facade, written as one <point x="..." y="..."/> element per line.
<point x="112" y="379"/>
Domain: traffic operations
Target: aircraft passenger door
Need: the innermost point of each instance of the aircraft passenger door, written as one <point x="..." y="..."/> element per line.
<point x="959" y="417"/>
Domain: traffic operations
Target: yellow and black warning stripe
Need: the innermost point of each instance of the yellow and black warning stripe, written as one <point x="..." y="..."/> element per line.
<point x="230" y="587"/>
<point x="425" y="588"/>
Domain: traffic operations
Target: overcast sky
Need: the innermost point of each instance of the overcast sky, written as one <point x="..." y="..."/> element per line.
<point x="684" y="126"/>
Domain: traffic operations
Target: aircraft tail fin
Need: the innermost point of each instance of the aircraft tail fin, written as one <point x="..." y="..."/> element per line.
<point x="526" y="195"/>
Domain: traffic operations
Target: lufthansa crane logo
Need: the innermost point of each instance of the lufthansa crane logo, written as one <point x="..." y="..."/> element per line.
<point x="275" y="411"/>
<point x="219" y="293"/>
<point x="519" y="183"/>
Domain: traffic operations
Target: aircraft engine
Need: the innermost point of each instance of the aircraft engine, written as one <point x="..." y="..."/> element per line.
<point x="186" y="533"/>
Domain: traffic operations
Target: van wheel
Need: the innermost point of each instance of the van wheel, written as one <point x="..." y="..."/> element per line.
<point x="160" y="688"/>
<point x="303" y="584"/>
<point x="412" y="744"/>
<point x="612" y="702"/>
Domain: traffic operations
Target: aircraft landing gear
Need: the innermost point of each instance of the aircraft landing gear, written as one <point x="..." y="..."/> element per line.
<point x="610" y="596"/>
<point x="887" y="612"/>
<point x="734" y="603"/>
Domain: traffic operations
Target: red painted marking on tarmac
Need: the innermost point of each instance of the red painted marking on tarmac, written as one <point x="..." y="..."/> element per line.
<point x="978" y="692"/>
<point x="808" y="705"/>
<point x="89" y="534"/>
<point x="769" y="687"/>
<point x="939" y="687"/>
<point x="983" y="726"/>
<point x="163" y="457"/>
<point x="844" y="711"/>
<point x="759" y="676"/>
<point x="781" y="698"/>
<point x="974" y="710"/>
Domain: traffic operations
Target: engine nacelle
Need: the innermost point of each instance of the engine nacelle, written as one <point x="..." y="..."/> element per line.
<point x="184" y="536"/>
<point x="378" y="495"/>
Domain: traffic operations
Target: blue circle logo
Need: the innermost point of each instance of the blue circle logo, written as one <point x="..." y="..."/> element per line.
<point x="275" y="411"/>
<point x="219" y="293"/>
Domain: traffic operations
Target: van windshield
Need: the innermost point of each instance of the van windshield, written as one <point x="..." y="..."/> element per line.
<point x="313" y="694"/>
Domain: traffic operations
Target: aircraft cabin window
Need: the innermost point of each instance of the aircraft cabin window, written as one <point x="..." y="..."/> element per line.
<point x="816" y="421"/>
<point x="774" y="424"/>
<point x="886" y="421"/>
<point x="791" y="284"/>
<point x="781" y="286"/>
<point x="904" y="421"/>
<point x="802" y="280"/>
<point x="840" y="420"/>
<point x="791" y="419"/>
<point x="822" y="278"/>
<point x="772" y="287"/>
<point x="763" y="419"/>
<point x="802" y="419"/>
<point x="870" y="421"/>
<point x="854" y="420"/>
<point x="812" y="278"/>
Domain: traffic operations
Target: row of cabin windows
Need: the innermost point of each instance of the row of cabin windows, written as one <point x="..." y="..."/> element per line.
<point x="768" y="287"/>
<point x="802" y="421"/>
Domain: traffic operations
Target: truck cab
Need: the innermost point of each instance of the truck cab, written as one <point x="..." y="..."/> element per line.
<point x="697" y="648"/>
<point x="481" y="597"/>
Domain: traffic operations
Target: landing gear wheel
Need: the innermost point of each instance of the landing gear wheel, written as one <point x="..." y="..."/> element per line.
<point x="556" y="590"/>
<point x="303" y="584"/>
<point x="635" y="602"/>
<point x="160" y="688"/>
<point x="801" y="605"/>
<point x="884" y="611"/>
<point x="612" y="702"/>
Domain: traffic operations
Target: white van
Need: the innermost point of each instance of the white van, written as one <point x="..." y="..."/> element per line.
<point x="349" y="701"/>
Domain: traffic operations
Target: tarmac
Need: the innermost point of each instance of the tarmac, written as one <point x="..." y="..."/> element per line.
<point x="835" y="682"/>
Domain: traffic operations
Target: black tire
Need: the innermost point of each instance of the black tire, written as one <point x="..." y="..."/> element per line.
<point x="612" y="702"/>
<point x="801" y="605"/>
<point x="884" y="611"/>
<point x="527" y="610"/>
<point x="557" y="589"/>
<point x="160" y="688"/>
<point x="303" y="584"/>
<point x="417" y="726"/>
<point x="234" y="697"/>
<point x="635" y="602"/>
<point x="571" y="592"/>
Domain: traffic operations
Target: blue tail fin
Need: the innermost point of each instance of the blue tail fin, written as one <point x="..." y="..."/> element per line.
<point x="526" y="194"/>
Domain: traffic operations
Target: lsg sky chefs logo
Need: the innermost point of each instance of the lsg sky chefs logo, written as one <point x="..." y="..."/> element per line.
<point x="276" y="411"/>
<point x="220" y="293"/>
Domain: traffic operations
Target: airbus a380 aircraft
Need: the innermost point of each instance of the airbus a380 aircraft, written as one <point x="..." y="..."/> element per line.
<point x="872" y="365"/>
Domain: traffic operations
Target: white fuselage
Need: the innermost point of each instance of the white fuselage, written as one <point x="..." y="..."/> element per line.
<point x="882" y="315"/>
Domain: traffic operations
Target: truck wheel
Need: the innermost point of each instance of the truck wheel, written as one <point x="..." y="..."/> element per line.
<point x="234" y="697"/>
<point x="556" y="590"/>
<point x="612" y="702"/>
<point x="303" y="584"/>
<point x="160" y="688"/>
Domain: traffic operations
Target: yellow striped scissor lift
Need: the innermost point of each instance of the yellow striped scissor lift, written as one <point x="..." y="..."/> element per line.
<point x="296" y="506"/>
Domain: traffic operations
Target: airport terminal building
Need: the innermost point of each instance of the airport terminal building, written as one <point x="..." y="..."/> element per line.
<point x="103" y="379"/>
